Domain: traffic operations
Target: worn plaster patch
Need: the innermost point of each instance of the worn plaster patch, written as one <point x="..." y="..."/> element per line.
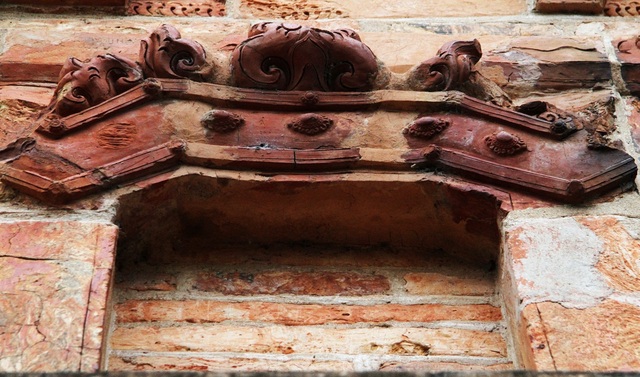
<point x="554" y="260"/>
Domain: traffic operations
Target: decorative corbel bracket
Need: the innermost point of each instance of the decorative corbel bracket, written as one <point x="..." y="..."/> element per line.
<point x="298" y="99"/>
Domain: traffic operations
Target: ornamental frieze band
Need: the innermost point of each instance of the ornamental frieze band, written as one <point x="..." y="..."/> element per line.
<point x="291" y="99"/>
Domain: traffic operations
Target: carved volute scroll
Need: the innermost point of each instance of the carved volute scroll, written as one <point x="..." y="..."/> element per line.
<point x="561" y="121"/>
<point x="294" y="57"/>
<point x="450" y="68"/>
<point x="165" y="54"/>
<point x="85" y="84"/>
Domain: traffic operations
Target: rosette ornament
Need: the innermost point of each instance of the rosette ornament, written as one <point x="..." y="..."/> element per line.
<point x="165" y="54"/>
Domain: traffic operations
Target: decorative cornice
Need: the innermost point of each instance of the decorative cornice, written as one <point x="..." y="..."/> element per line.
<point x="176" y="8"/>
<point x="298" y="99"/>
<point x="622" y="8"/>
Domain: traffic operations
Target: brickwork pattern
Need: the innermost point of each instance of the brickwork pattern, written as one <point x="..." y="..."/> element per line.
<point x="306" y="315"/>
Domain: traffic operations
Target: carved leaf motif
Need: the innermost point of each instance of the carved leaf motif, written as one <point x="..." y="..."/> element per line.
<point x="166" y="55"/>
<point x="89" y="83"/>
<point x="294" y="57"/>
<point x="451" y="67"/>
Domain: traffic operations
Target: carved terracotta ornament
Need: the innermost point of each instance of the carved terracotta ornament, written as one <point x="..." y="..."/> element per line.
<point x="425" y="127"/>
<point x="166" y="55"/>
<point x="221" y="121"/>
<point x="505" y="144"/>
<point x="451" y="67"/>
<point x="85" y="84"/>
<point x="299" y="99"/>
<point x="622" y="8"/>
<point x="175" y="8"/>
<point x="310" y="124"/>
<point x="294" y="57"/>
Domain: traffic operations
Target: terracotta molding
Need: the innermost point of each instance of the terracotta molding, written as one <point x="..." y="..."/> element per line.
<point x="113" y="120"/>
<point x="570" y="6"/>
<point x="176" y="8"/>
<point x="622" y="8"/>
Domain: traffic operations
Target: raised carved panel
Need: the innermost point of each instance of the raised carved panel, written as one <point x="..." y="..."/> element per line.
<point x="293" y="10"/>
<point x="303" y="99"/>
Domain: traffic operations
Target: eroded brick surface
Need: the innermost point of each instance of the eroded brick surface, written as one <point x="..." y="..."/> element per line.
<point x="56" y="274"/>
<point x="603" y="337"/>
<point x="313" y="283"/>
<point x="194" y="311"/>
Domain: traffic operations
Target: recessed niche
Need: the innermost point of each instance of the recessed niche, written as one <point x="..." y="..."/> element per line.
<point x="330" y="272"/>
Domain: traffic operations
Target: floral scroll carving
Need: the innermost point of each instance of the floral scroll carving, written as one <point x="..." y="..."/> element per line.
<point x="89" y="83"/>
<point x="451" y="67"/>
<point x="166" y="55"/>
<point x="294" y="57"/>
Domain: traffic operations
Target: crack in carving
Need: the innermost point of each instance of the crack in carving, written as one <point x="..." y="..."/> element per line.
<point x="294" y="57"/>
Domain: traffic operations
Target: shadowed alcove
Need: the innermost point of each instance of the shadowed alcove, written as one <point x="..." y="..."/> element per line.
<point x="330" y="272"/>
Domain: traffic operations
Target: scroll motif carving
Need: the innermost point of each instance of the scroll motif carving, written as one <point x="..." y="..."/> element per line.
<point x="166" y="55"/>
<point x="310" y="124"/>
<point x="176" y="8"/>
<point x="294" y="57"/>
<point x="425" y="127"/>
<point x="505" y="144"/>
<point x="221" y="121"/>
<point x="86" y="84"/>
<point x="451" y="67"/>
<point x="623" y="8"/>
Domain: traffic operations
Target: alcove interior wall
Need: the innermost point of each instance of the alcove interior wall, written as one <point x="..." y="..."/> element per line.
<point x="297" y="272"/>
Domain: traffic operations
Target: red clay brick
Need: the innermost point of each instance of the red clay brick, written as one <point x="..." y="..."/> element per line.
<point x="284" y="340"/>
<point x="157" y="363"/>
<point x="299" y="283"/>
<point x="294" y="314"/>
<point x="441" y="284"/>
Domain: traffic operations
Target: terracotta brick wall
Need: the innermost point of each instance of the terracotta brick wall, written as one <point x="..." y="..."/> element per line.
<point x="307" y="308"/>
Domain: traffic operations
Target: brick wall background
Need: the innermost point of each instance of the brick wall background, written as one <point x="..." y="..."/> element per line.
<point x="563" y="295"/>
